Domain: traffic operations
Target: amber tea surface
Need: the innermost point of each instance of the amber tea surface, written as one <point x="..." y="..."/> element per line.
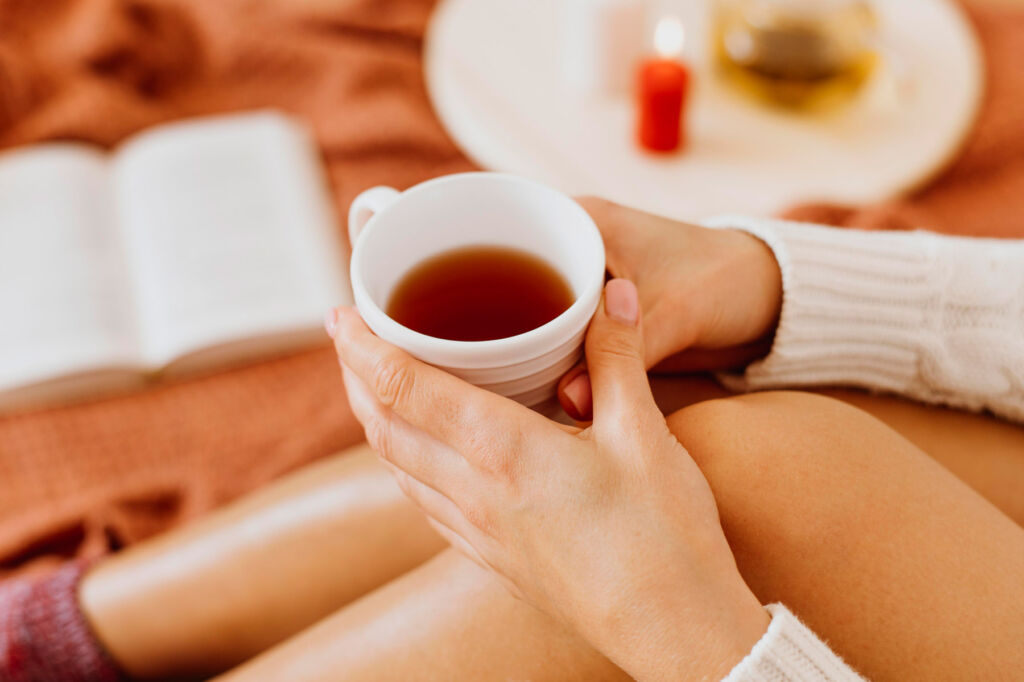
<point x="479" y="293"/>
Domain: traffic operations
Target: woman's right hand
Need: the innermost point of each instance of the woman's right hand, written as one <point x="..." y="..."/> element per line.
<point x="711" y="297"/>
<point x="611" y="529"/>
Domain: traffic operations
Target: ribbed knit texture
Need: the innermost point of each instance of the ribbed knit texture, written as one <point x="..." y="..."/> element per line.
<point x="937" y="319"/>
<point x="44" y="636"/>
<point x="789" y="652"/>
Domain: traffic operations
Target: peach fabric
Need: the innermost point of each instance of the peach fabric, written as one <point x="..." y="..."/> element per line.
<point x="82" y="480"/>
<point x="982" y="192"/>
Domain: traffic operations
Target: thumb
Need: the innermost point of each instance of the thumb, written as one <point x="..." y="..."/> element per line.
<point x="615" y="361"/>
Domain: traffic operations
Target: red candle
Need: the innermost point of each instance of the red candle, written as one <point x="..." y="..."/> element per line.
<point x="662" y="86"/>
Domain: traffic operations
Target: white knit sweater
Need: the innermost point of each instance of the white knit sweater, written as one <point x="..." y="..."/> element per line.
<point x="937" y="319"/>
<point x="789" y="652"/>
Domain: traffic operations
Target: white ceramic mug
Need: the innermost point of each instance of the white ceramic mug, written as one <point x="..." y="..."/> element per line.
<point x="393" y="231"/>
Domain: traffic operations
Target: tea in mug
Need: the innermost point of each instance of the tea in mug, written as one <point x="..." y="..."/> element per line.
<point x="479" y="293"/>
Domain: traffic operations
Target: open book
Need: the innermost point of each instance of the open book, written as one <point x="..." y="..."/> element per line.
<point x="196" y="245"/>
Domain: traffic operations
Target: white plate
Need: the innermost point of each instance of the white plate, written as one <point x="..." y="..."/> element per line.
<point x="492" y="70"/>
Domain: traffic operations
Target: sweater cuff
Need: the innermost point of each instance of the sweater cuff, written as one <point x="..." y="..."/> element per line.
<point x="44" y="635"/>
<point x="790" y="652"/>
<point x="852" y="307"/>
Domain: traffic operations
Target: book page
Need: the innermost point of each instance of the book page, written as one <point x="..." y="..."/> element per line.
<point x="231" y="234"/>
<point x="64" y="301"/>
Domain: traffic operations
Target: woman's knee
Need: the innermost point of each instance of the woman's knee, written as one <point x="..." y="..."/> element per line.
<point x="786" y="468"/>
<point x="835" y="514"/>
<point x="761" y="433"/>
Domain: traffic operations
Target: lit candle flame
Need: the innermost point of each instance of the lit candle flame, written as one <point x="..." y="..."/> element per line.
<point x="669" y="37"/>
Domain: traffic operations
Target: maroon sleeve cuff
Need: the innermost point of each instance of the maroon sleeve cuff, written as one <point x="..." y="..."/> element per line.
<point x="44" y="636"/>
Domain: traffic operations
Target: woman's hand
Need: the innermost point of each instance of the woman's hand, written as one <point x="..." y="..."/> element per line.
<point x="711" y="298"/>
<point x="713" y="294"/>
<point x="612" y="529"/>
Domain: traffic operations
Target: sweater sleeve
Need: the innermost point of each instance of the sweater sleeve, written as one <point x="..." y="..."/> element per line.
<point x="937" y="319"/>
<point x="789" y="652"/>
<point x="45" y="636"/>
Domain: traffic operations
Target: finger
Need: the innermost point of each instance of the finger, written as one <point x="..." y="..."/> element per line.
<point x="438" y="519"/>
<point x="458" y="543"/>
<point x="409" y="449"/>
<point x="470" y="552"/>
<point x="618" y="231"/>
<point x="615" y="362"/>
<point x="604" y="213"/>
<point x="364" y="406"/>
<point x="574" y="394"/>
<point x="438" y="507"/>
<point x="447" y="408"/>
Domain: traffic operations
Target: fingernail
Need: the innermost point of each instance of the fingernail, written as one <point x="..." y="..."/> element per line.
<point x="577" y="392"/>
<point x="621" y="301"/>
<point x="331" y="322"/>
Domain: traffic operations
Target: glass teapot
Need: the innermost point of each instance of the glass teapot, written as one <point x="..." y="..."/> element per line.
<point x="796" y="53"/>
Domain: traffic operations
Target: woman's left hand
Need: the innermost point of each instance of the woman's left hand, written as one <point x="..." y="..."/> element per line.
<point x="612" y="529"/>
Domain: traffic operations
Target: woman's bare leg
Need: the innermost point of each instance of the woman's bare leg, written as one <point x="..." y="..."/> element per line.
<point x="446" y="620"/>
<point x="909" y="573"/>
<point x="984" y="452"/>
<point x="906" y="571"/>
<point x="317" y="540"/>
<point x="199" y="600"/>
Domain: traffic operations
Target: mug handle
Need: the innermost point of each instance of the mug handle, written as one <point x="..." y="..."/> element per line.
<point x="365" y="206"/>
